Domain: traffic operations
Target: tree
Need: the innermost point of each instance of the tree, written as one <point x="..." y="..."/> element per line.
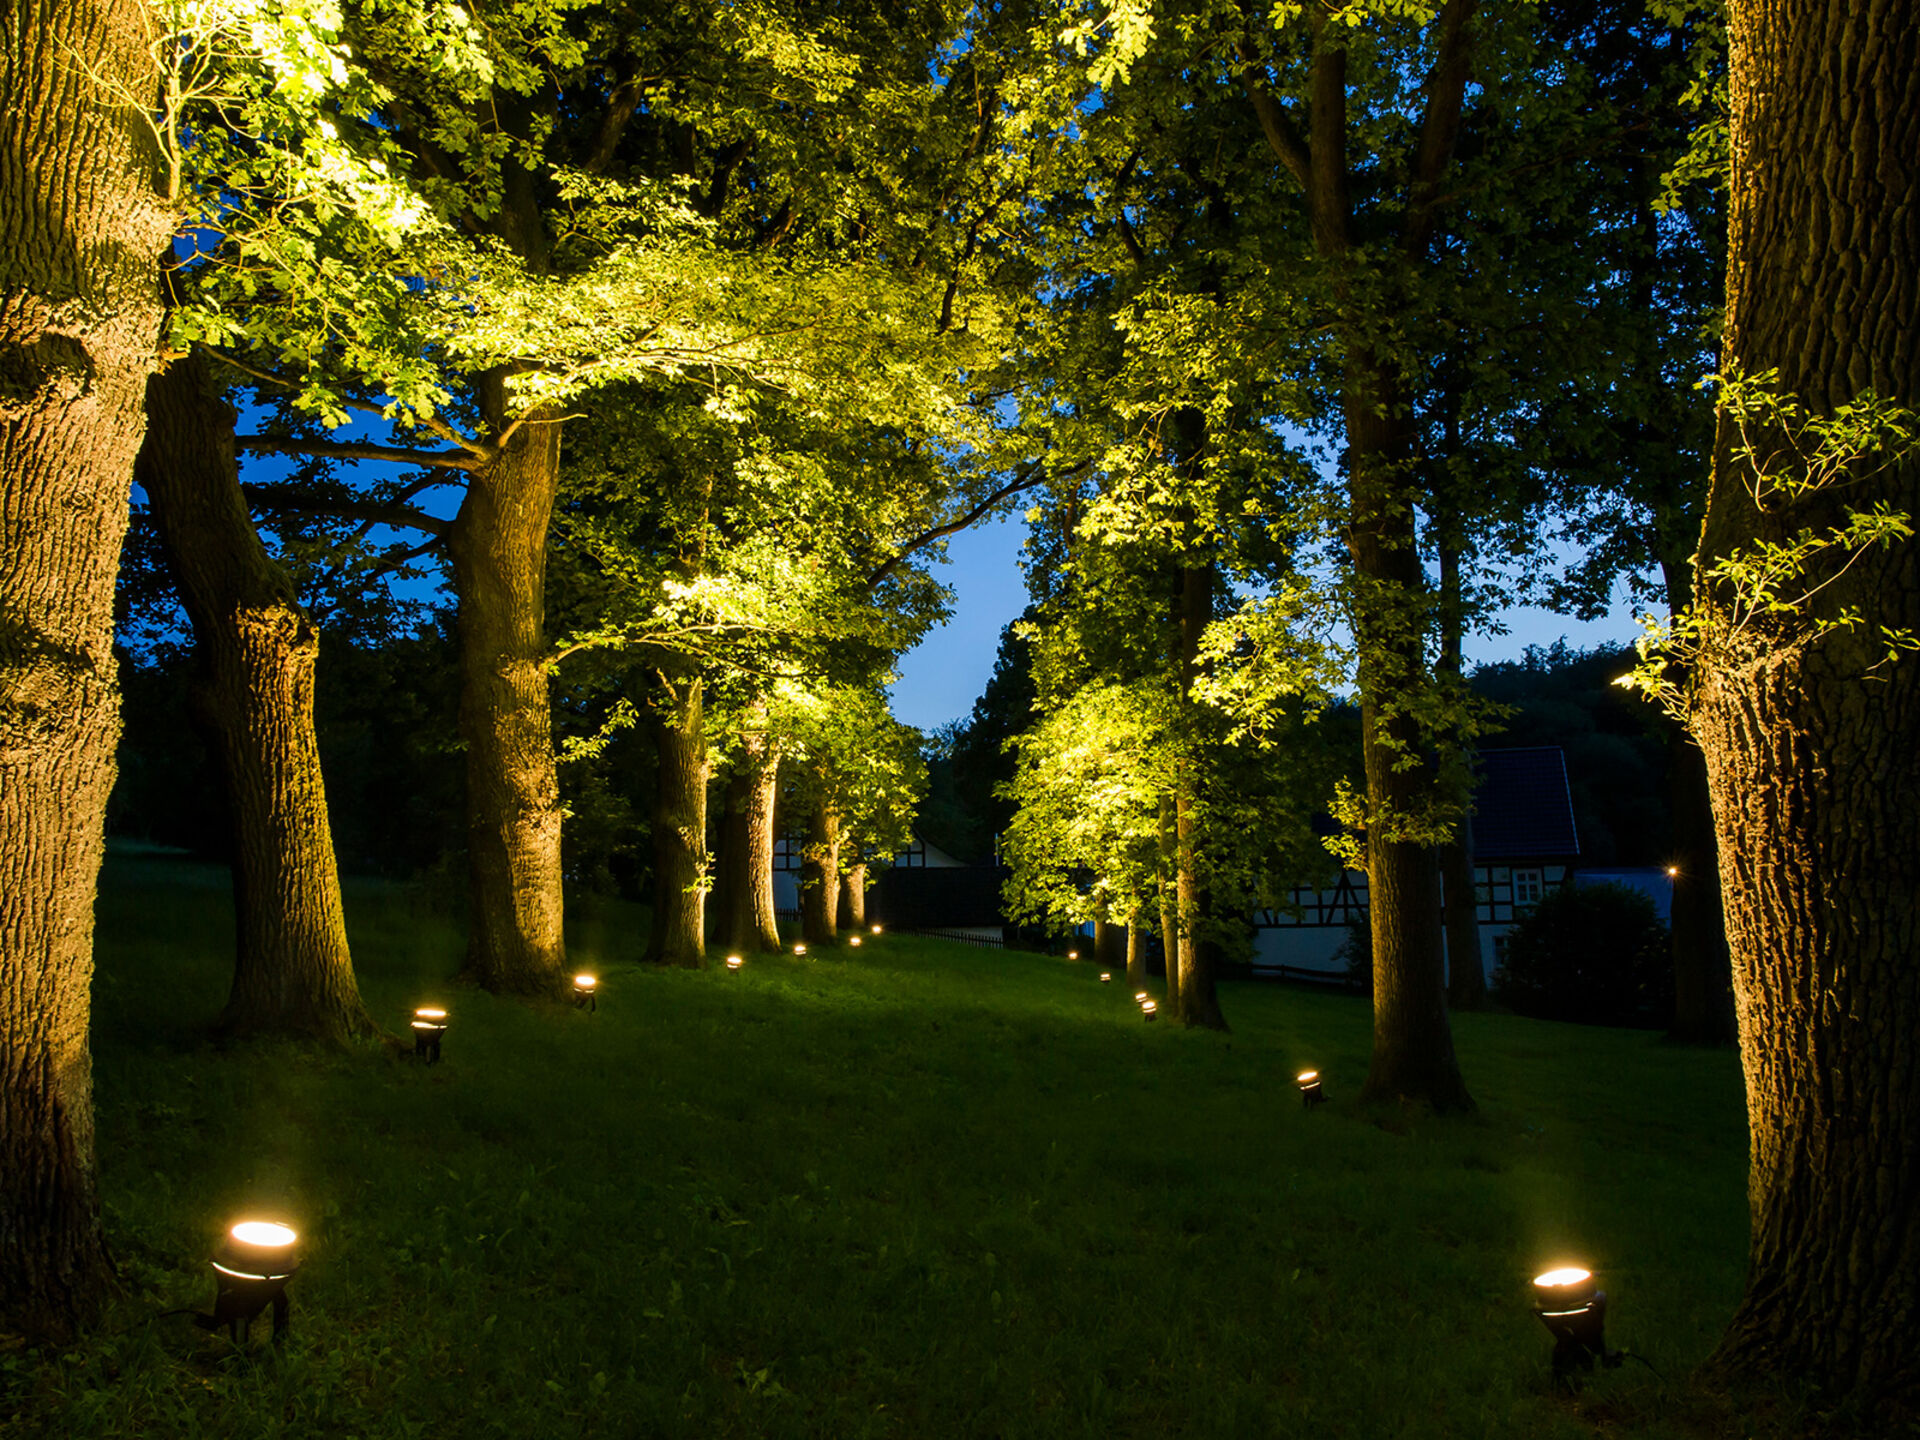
<point x="82" y="226"/>
<point x="1804" y="689"/>
<point x="257" y="651"/>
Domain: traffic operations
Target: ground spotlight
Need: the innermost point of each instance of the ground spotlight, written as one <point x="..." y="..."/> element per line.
<point x="429" y="1024"/>
<point x="1073" y="954"/>
<point x="251" y="1268"/>
<point x="1106" y="977"/>
<point x="1310" y="1093"/>
<point x="876" y="929"/>
<point x="1574" y="1311"/>
<point x="1140" y="997"/>
<point x="853" y="940"/>
<point x="799" y="949"/>
<point x="1149" y="1010"/>
<point x="734" y="962"/>
<point x="586" y="992"/>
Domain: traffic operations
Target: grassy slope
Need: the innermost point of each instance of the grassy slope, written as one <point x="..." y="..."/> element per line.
<point x="920" y="1190"/>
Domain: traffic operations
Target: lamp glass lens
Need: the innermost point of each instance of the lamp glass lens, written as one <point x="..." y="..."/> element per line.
<point x="262" y="1232"/>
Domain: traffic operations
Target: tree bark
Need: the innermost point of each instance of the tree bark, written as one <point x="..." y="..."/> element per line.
<point x="81" y="232"/>
<point x="678" y="932"/>
<point x="820" y="877"/>
<point x="256" y="652"/>
<point x="853" y="898"/>
<point x="498" y="546"/>
<point x="1136" y="951"/>
<point x="1812" y="765"/>
<point x="757" y="927"/>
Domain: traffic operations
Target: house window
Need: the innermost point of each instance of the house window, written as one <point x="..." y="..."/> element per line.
<point x="1527" y="888"/>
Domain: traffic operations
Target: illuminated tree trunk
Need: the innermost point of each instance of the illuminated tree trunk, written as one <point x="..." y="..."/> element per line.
<point x="853" y="898"/>
<point x="820" y="877"/>
<point x="1413" y="1056"/>
<point x="498" y="546"/>
<point x="81" y="232"/>
<point x="1812" y="762"/>
<point x="754" y="926"/>
<point x="1136" y="951"/>
<point x="680" y="827"/>
<point x="256" y="651"/>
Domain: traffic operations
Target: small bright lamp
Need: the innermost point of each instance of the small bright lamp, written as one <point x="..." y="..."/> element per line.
<point x="1673" y="872"/>
<point x="1073" y="954"/>
<point x="734" y="962"/>
<point x="799" y="949"/>
<point x="251" y="1267"/>
<point x="876" y="929"/>
<point x="429" y="1024"/>
<point x="1106" y="977"/>
<point x="1574" y="1310"/>
<point x="853" y="940"/>
<point x="1149" y="1010"/>
<point x="1140" y="997"/>
<point x="1310" y="1093"/>
<point x="586" y="992"/>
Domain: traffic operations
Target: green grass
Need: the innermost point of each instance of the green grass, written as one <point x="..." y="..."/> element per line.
<point x="914" y="1190"/>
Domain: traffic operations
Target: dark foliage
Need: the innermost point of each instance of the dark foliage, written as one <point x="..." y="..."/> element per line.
<point x="1597" y="954"/>
<point x="1614" y="741"/>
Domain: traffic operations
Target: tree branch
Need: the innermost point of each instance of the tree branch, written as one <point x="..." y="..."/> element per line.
<point x="290" y="500"/>
<point x="1282" y="137"/>
<point x="1446" y="92"/>
<point x="1030" y="475"/>
<point x="347" y="450"/>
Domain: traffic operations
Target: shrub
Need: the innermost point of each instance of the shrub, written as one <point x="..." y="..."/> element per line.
<point x="1598" y="954"/>
<point x="1355" y="954"/>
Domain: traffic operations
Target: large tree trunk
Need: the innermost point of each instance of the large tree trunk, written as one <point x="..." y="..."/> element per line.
<point x="498" y="545"/>
<point x="724" y="898"/>
<point x="256" y="651"/>
<point x="81" y="231"/>
<point x="1413" y="1056"/>
<point x="678" y="931"/>
<point x="1812" y="762"/>
<point x="1136" y="951"/>
<point x="820" y="877"/>
<point x="853" y="897"/>
<point x="755" y="925"/>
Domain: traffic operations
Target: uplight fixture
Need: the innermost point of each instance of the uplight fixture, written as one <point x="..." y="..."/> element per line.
<point x="1073" y="954"/>
<point x="429" y="1024"/>
<point x="1574" y="1310"/>
<point x="1149" y="1010"/>
<point x="1106" y="977"/>
<point x="876" y="929"/>
<point x="1310" y="1093"/>
<point x="586" y="992"/>
<point x="734" y="962"/>
<point x="1140" y="997"/>
<point x="853" y="940"/>
<point x="799" y="949"/>
<point x="251" y="1267"/>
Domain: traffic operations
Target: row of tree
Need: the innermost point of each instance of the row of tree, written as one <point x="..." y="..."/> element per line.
<point x="806" y="289"/>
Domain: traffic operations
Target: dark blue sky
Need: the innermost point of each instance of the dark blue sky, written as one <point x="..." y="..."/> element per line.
<point x="940" y="679"/>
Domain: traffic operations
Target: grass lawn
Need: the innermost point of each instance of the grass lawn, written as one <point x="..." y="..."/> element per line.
<point x="912" y="1190"/>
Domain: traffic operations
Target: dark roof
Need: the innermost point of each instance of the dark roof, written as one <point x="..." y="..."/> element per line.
<point x="1521" y="808"/>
